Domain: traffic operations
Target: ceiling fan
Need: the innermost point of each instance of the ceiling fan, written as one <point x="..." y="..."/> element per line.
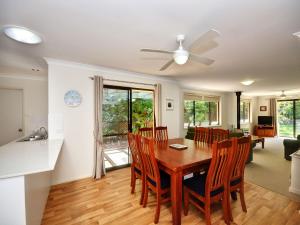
<point x="181" y="55"/>
<point x="283" y="95"/>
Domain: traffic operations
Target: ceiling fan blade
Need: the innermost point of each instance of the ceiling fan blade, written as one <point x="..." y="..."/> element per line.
<point x="204" y="47"/>
<point x="201" y="59"/>
<point x="169" y="63"/>
<point x="156" y="50"/>
<point x="208" y="36"/>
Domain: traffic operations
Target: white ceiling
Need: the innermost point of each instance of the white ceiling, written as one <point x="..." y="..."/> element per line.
<point x="256" y="38"/>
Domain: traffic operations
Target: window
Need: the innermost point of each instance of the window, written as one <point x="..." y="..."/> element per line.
<point x="245" y="111"/>
<point x="201" y="113"/>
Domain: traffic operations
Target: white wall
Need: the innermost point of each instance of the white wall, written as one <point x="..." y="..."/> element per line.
<point x="263" y="101"/>
<point x="231" y="111"/>
<point x="77" y="156"/>
<point x="35" y="94"/>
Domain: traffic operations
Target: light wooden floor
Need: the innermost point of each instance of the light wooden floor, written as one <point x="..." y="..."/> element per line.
<point x="108" y="201"/>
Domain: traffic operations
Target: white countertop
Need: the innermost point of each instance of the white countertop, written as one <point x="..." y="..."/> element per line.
<point x="23" y="158"/>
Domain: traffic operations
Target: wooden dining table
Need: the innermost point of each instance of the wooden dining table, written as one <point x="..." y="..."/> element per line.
<point x="178" y="163"/>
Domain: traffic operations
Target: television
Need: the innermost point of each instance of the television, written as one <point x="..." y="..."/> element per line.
<point x="265" y="120"/>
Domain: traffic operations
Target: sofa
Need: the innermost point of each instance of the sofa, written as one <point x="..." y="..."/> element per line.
<point x="191" y="132"/>
<point x="291" y="146"/>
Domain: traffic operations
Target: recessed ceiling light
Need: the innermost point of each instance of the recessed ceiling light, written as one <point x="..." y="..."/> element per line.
<point x="297" y="34"/>
<point x="22" y="34"/>
<point x="247" y="82"/>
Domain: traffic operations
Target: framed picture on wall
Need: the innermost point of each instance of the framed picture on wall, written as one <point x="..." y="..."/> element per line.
<point x="169" y="104"/>
<point x="263" y="108"/>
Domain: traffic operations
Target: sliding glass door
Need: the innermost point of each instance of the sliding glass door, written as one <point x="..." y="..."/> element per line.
<point x="115" y="121"/>
<point x="142" y="109"/>
<point x="288" y="118"/>
<point x="124" y="109"/>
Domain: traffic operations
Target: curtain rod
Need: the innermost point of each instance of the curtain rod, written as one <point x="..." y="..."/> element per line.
<point x="92" y="78"/>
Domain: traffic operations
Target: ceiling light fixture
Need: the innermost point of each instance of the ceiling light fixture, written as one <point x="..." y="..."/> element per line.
<point x="297" y="34"/>
<point x="247" y="82"/>
<point x="180" y="55"/>
<point x="22" y="34"/>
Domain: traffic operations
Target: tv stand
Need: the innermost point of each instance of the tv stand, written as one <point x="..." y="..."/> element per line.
<point x="264" y="131"/>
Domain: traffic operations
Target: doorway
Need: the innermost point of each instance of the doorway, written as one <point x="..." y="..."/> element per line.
<point x="124" y="110"/>
<point x="11" y="115"/>
<point x="288" y="117"/>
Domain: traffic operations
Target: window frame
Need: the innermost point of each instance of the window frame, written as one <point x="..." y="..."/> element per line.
<point x="209" y="113"/>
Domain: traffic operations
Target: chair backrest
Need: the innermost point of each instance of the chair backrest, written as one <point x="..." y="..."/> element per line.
<point x="161" y="133"/>
<point x="149" y="160"/>
<point x="133" y="142"/>
<point x="146" y="132"/>
<point x="217" y="176"/>
<point x="219" y="135"/>
<point x="241" y="148"/>
<point x="202" y="134"/>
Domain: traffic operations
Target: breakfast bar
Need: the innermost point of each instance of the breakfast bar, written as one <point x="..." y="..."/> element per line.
<point x="25" y="179"/>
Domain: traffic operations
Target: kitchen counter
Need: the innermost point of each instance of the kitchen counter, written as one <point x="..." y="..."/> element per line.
<point x="25" y="179"/>
<point x="23" y="158"/>
<point x="295" y="171"/>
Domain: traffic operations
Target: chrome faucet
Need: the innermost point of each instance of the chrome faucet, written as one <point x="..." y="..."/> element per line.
<point x="45" y="133"/>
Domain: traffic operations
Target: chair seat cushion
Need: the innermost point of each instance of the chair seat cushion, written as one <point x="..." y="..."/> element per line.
<point x="137" y="170"/>
<point x="164" y="180"/>
<point x="235" y="182"/>
<point x="197" y="184"/>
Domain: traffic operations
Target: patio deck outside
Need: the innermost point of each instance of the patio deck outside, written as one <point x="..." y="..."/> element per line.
<point x="116" y="152"/>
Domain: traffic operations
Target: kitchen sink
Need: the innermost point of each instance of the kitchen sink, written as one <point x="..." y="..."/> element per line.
<point x="32" y="138"/>
<point x="41" y="134"/>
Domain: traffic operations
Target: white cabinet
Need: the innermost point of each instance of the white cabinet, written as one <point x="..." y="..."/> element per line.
<point x="295" y="173"/>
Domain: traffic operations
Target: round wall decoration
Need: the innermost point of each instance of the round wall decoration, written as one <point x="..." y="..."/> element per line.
<point x="72" y="98"/>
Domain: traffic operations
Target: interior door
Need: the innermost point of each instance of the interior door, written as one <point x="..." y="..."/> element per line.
<point x="11" y="115"/>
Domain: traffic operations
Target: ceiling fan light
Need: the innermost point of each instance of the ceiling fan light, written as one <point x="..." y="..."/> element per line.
<point x="181" y="56"/>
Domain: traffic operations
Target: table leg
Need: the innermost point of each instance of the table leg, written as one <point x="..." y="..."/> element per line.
<point x="176" y="197"/>
<point x="263" y="143"/>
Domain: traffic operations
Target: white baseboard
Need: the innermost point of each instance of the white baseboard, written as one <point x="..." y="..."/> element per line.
<point x="294" y="190"/>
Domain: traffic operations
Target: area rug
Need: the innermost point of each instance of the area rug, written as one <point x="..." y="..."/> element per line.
<point x="269" y="169"/>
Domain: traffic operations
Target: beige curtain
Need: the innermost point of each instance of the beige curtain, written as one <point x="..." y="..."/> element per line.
<point x="273" y="113"/>
<point x="99" y="167"/>
<point x="157" y="107"/>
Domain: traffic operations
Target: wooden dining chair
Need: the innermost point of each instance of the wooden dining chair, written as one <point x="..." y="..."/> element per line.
<point x="146" y="132"/>
<point x="219" y="135"/>
<point x="210" y="187"/>
<point x="156" y="180"/>
<point x="202" y="134"/>
<point x="161" y="133"/>
<point x="137" y="168"/>
<point x="241" y="149"/>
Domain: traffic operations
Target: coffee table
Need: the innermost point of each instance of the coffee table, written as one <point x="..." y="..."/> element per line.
<point x="257" y="139"/>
